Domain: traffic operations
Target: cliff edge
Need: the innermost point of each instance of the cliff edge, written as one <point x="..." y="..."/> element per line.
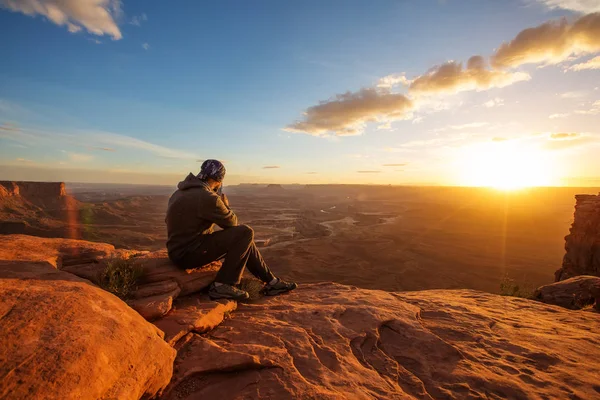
<point x="582" y="244"/>
<point x="37" y="208"/>
<point x="322" y="341"/>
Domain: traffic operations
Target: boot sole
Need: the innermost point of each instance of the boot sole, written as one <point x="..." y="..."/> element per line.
<point x="224" y="296"/>
<point x="280" y="291"/>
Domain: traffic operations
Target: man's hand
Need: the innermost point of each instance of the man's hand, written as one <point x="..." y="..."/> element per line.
<point x="225" y="199"/>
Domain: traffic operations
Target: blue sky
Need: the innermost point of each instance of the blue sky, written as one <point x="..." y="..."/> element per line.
<point x="140" y="91"/>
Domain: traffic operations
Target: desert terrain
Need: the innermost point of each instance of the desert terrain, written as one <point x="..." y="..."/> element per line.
<point x="375" y="237"/>
<point x="359" y="326"/>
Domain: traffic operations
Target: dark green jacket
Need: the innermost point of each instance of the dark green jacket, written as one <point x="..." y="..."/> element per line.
<point x="193" y="210"/>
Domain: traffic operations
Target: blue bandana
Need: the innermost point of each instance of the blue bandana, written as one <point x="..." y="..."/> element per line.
<point x="212" y="169"/>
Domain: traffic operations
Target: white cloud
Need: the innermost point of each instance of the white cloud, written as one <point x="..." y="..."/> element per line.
<point x="583" y="6"/>
<point x="551" y="42"/>
<point x="96" y="16"/>
<point x="495" y="102"/>
<point x="559" y="115"/>
<point x="594" y="63"/>
<point x="593" y="110"/>
<point x="575" y="94"/>
<point x="385" y="126"/>
<point x="347" y="114"/>
<point x="393" y="80"/>
<point x="146" y="46"/>
<point x="137" y="20"/>
<point x="452" y="77"/>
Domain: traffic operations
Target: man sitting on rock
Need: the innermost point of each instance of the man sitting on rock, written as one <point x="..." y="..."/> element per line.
<point x="193" y="211"/>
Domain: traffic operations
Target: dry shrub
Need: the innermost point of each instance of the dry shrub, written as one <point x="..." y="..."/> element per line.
<point x="510" y="287"/>
<point x="120" y="277"/>
<point x="253" y="286"/>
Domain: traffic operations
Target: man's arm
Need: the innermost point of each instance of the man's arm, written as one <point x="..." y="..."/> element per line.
<point x="220" y="214"/>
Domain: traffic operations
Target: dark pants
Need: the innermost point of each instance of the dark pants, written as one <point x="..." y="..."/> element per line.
<point x="237" y="245"/>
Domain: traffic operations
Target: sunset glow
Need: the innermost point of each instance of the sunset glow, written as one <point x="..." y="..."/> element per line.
<point x="487" y="93"/>
<point x="506" y="166"/>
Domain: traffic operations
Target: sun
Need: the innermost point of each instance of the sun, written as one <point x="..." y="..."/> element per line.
<point x="507" y="165"/>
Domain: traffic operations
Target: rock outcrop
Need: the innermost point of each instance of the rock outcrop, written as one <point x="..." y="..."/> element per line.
<point x="329" y="341"/>
<point x="160" y="283"/>
<point x="573" y="293"/>
<point x="60" y="253"/>
<point x="63" y="338"/>
<point x="322" y="341"/>
<point x="38" y="208"/>
<point x="582" y="244"/>
<point x="33" y="191"/>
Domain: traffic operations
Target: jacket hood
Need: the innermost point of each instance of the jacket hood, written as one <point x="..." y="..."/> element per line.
<point x="191" y="181"/>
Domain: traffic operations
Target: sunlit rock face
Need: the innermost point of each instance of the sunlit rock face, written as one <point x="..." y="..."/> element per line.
<point x="33" y="190"/>
<point x="582" y="245"/>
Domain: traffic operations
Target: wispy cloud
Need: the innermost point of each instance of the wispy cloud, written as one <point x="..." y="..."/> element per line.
<point x="564" y="136"/>
<point x="593" y="110"/>
<point x="145" y="46"/>
<point x="271" y="167"/>
<point x="24" y="160"/>
<point x="106" y="141"/>
<point x="137" y="20"/>
<point x="582" y="6"/>
<point x="96" y="16"/>
<point x="568" y="141"/>
<point x="80" y="157"/>
<point x="550" y="43"/>
<point x="559" y="115"/>
<point x="452" y="77"/>
<point x="102" y="148"/>
<point x="495" y="102"/>
<point x="368" y="172"/>
<point x="575" y="94"/>
<point x="395" y="165"/>
<point x="594" y="63"/>
<point x="9" y="128"/>
<point x="392" y="80"/>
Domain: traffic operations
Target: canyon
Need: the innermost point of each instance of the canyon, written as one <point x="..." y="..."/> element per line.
<point x="366" y="321"/>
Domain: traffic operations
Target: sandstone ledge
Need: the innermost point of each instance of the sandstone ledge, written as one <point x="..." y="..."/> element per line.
<point x="329" y="341"/>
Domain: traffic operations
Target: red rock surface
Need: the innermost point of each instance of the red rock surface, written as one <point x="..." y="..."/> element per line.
<point x="55" y="251"/>
<point x="157" y="268"/>
<point x="33" y="190"/>
<point x="582" y="244"/>
<point x="573" y="293"/>
<point x="322" y="341"/>
<point x="194" y="314"/>
<point x="329" y="341"/>
<point x="160" y="284"/>
<point x="63" y="338"/>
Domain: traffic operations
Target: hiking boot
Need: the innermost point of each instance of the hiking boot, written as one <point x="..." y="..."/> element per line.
<point x="225" y="291"/>
<point x="279" y="287"/>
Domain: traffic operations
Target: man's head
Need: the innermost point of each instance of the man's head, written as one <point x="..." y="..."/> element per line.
<point x="212" y="172"/>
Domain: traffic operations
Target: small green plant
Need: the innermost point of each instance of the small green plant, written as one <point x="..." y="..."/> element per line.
<point x="510" y="287"/>
<point x="120" y="277"/>
<point x="253" y="286"/>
